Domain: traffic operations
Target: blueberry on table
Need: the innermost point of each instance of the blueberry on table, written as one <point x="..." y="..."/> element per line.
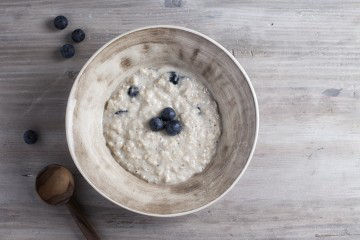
<point x="133" y="91"/>
<point x="60" y="22"/>
<point x="30" y="137"/>
<point x="173" y="127"/>
<point x="67" y="51"/>
<point x="174" y="78"/>
<point x="78" y="35"/>
<point x="167" y="114"/>
<point x="156" y="124"/>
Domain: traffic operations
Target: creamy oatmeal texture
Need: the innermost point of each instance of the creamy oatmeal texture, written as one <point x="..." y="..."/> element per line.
<point x="155" y="156"/>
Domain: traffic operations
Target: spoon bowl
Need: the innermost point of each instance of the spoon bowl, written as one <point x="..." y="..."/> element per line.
<point x="55" y="185"/>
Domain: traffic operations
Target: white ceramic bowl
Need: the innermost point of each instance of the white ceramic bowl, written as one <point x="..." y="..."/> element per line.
<point x="148" y="47"/>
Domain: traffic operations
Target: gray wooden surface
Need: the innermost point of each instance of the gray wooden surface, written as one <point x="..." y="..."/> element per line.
<point x="304" y="61"/>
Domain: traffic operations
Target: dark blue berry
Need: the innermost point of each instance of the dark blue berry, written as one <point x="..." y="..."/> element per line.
<point x="78" y="35"/>
<point x="121" y="111"/>
<point x="174" y="78"/>
<point x="167" y="114"/>
<point x="30" y="137"/>
<point x="133" y="91"/>
<point x="156" y="124"/>
<point x="60" y="22"/>
<point x="173" y="127"/>
<point x="67" y="51"/>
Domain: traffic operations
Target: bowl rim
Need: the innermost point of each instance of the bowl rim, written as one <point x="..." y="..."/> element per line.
<point x="69" y="110"/>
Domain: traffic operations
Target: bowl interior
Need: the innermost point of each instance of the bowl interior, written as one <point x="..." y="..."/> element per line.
<point x="151" y="47"/>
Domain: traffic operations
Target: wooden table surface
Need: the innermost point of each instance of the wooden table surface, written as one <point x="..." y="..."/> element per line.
<point x="304" y="61"/>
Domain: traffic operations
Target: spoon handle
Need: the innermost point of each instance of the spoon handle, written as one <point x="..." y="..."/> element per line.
<point x="84" y="225"/>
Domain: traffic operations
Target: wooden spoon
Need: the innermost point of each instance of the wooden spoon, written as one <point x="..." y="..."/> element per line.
<point x="55" y="185"/>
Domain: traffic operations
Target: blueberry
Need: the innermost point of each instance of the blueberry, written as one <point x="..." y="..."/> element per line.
<point x="156" y="124"/>
<point x="78" y="35"/>
<point x="121" y="111"/>
<point x="173" y="127"/>
<point x="60" y="22"/>
<point x="67" y="51"/>
<point x="30" y="137"/>
<point x="167" y="114"/>
<point x="133" y="91"/>
<point x="174" y="78"/>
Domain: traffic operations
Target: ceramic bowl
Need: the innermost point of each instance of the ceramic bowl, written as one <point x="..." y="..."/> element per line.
<point x="154" y="46"/>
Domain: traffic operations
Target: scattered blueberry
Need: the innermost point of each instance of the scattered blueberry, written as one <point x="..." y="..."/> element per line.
<point x="67" y="51"/>
<point x="60" y="22"/>
<point x="167" y="114"/>
<point x="121" y="111"/>
<point x="174" y="78"/>
<point x="133" y="91"/>
<point x="30" y="137"/>
<point x="199" y="109"/>
<point x="78" y="35"/>
<point x="156" y="124"/>
<point x="173" y="127"/>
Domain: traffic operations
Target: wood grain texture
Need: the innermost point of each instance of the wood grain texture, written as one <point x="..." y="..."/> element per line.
<point x="303" y="58"/>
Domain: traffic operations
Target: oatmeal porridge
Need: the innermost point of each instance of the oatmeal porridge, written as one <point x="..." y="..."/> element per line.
<point x="161" y="125"/>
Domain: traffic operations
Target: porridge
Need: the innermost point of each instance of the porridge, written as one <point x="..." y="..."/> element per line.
<point x="161" y="125"/>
